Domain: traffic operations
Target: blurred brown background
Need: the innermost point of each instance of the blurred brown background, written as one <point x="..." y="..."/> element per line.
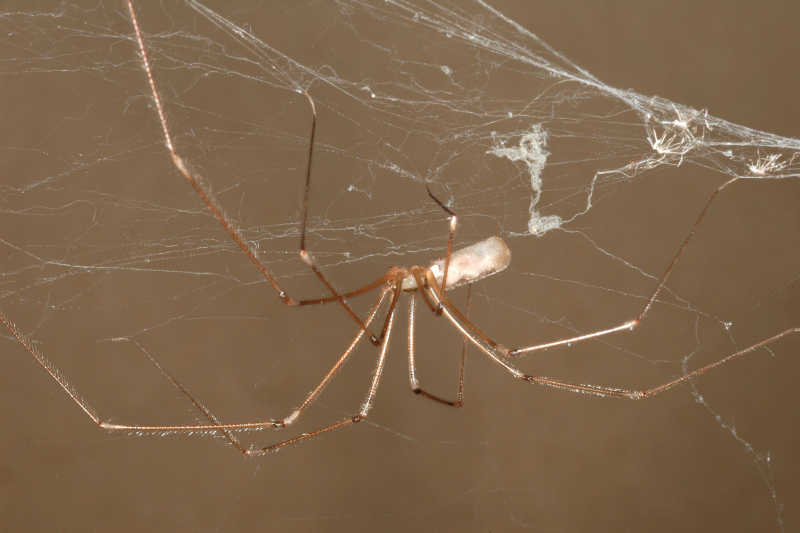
<point x="103" y="239"/>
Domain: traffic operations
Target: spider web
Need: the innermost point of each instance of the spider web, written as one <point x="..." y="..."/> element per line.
<point x="594" y="188"/>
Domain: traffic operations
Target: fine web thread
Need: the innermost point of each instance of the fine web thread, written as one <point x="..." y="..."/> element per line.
<point x="673" y="134"/>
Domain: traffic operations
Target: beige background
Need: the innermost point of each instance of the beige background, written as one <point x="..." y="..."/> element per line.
<point x="83" y="164"/>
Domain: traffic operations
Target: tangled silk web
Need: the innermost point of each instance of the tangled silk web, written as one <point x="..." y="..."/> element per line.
<point x="519" y="141"/>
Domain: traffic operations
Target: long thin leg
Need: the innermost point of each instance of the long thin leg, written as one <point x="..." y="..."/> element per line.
<point x="629" y="325"/>
<point x="215" y="423"/>
<point x="227" y="429"/>
<point x="412" y="368"/>
<point x="633" y="323"/>
<point x="362" y="414"/>
<point x="204" y="192"/>
<point x="464" y="350"/>
<point x="639" y="394"/>
<point x="416" y="273"/>
<point x="366" y="288"/>
<point x="52" y="370"/>
<point x="451" y="235"/>
<point x="329" y="376"/>
<point x="499" y="358"/>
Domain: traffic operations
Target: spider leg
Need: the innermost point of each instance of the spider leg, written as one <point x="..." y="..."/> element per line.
<point x="412" y="369"/>
<point x="629" y="325"/>
<point x="304" y="253"/>
<point x="436" y="293"/>
<point x="638" y="320"/>
<point x="329" y="376"/>
<point x="415" y="272"/>
<point x="453" y="226"/>
<point x="204" y="191"/>
<point x="215" y="425"/>
<point x="499" y="358"/>
<point x="52" y="370"/>
<point x="363" y="412"/>
<point x="639" y="394"/>
<point x="227" y="429"/>
<point x="366" y="288"/>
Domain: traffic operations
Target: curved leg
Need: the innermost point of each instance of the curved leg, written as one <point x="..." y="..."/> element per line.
<point x="453" y="226"/>
<point x="228" y="429"/>
<point x="412" y="369"/>
<point x="443" y="301"/>
<point x="215" y="424"/>
<point x="498" y="357"/>
<point x="52" y="370"/>
<point x="639" y="394"/>
<point x="204" y="192"/>
<point x="362" y="414"/>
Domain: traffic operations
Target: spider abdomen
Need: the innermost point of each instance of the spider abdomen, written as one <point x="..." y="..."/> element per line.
<point x="473" y="263"/>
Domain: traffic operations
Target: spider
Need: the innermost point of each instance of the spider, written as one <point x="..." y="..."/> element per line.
<point x="461" y="267"/>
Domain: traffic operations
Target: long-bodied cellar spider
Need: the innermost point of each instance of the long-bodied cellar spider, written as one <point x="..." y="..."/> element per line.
<point x="461" y="267"/>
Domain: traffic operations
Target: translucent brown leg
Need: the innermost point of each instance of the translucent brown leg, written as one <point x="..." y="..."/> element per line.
<point x="415" y="272"/>
<point x="228" y="429"/>
<point x="52" y="370"/>
<point x="443" y="301"/>
<point x="451" y="235"/>
<point x="412" y="369"/>
<point x="363" y="412"/>
<point x="639" y="394"/>
<point x="437" y="309"/>
<point x="499" y="358"/>
<point x="202" y="190"/>
<point x="216" y="425"/>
